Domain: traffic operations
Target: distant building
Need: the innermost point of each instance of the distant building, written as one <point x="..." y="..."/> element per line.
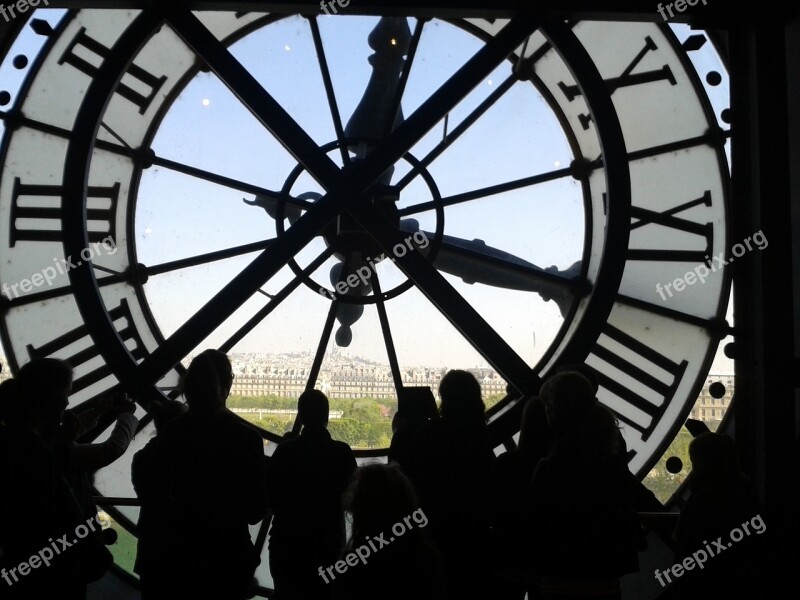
<point x="342" y="376"/>
<point x="711" y="410"/>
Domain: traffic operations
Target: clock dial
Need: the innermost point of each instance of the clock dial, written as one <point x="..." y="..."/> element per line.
<point x="512" y="192"/>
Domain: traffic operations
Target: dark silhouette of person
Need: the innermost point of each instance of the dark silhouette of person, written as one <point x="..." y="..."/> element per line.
<point x="646" y="500"/>
<point x="415" y="407"/>
<point x="721" y="500"/>
<point x="80" y="461"/>
<point x="451" y="470"/>
<point x="211" y="465"/>
<point x="53" y="554"/>
<point x="389" y="554"/>
<point x="307" y="476"/>
<point x="584" y="528"/>
<point x="511" y="478"/>
<point x="152" y="565"/>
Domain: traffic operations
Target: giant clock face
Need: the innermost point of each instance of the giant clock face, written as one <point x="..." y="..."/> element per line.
<point x="528" y="183"/>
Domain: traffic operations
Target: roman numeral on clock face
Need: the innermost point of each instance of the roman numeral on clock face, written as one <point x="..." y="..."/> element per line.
<point x="83" y="47"/>
<point x="636" y="382"/>
<point x="626" y="79"/>
<point x="36" y="212"/>
<point x="82" y="348"/>
<point x="702" y="232"/>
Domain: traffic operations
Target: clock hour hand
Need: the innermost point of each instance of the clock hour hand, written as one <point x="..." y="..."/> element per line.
<point x="290" y="211"/>
<point x="475" y="262"/>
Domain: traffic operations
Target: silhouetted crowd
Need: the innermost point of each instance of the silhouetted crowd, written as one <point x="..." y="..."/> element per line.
<point x="552" y="518"/>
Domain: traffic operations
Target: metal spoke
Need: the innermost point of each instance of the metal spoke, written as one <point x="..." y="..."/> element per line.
<point x="228" y="182"/>
<point x="433" y="110"/>
<point x="202" y="259"/>
<point x="451" y="304"/>
<point x="282" y="295"/>
<point x="326" y="78"/>
<point x="387" y="334"/>
<point x="462" y="127"/>
<point x="491" y="190"/>
<point x="252" y="94"/>
<point x="324" y="339"/>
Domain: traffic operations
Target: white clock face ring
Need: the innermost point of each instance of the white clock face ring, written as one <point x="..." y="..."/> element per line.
<point x="650" y="354"/>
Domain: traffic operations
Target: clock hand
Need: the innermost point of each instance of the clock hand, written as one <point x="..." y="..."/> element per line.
<point x="475" y="262"/>
<point x="372" y="120"/>
<point x="377" y="114"/>
<point x="290" y="211"/>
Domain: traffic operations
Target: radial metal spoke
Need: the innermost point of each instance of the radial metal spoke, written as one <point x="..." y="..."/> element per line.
<point x="451" y="304"/>
<point x="443" y="101"/>
<point x="324" y="339"/>
<point x="252" y="94"/>
<point x="387" y="334"/>
<point x="228" y="300"/>
<point x="329" y="91"/>
<point x="282" y="295"/>
<point x="203" y="259"/>
<point x="492" y="190"/>
<point x="460" y="129"/>
<point x="228" y="182"/>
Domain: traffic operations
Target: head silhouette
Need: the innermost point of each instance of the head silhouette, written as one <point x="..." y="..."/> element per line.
<point x="43" y="386"/>
<point x="568" y="399"/>
<point x="535" y="432"/>
<point x="584" y="370"/>
<point x="378" y="497"/>
<point x="208" y="381"/>
<point x="599" y="432"/>
<point x="461" y="398"/>
<point x="312" y="409"/>
<point x="713" y="457"/>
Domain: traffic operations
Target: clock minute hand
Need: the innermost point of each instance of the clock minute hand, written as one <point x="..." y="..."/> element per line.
<point x="475" y="262"/>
